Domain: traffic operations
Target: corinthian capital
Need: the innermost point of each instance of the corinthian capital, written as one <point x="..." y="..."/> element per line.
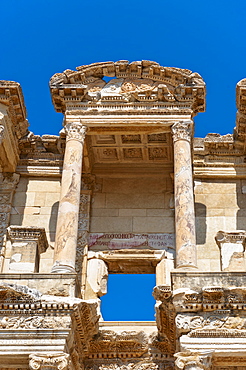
<point x="49" y="361"/>
<point x="193" y="360"/>
<point x="75" y="131"/>
<point x="182" y="130"/>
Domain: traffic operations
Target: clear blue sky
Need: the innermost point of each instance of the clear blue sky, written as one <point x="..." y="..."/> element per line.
<point x="40" y="38"/>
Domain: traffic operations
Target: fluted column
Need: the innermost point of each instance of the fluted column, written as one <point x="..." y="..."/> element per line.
<point x="184" y="198"/>
<point x="67" y="221"/>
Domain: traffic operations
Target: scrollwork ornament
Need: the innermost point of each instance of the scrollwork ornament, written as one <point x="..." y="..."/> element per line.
<point x="182" y="130"/>
<point x="75" y="131"/>
<point x="49" y="361"/>
<point x="193" y="360"/>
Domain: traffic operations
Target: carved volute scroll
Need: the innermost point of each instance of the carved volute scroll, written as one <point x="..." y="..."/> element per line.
<point x="49" y="361"/>
<point x="193" y="360"/>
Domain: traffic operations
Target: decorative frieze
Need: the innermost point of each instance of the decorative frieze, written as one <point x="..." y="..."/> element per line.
<point x="143" y="81"/>
<point x="126" y="344"/>
<point x="34" y="322"/>
<point x="129" y="364"/>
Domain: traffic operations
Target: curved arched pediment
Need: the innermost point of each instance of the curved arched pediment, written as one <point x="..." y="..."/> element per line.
<point x="125" y="82"/>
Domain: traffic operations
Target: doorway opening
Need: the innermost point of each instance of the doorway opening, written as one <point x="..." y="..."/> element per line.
<point x="129" y="298"/>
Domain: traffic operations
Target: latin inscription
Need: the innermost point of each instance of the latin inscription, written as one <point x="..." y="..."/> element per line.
<point x="112" y="241"/>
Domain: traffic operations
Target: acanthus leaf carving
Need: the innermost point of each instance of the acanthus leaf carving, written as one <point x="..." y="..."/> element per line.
<point x="182" y="130"/>
<point x="75" y="131"/>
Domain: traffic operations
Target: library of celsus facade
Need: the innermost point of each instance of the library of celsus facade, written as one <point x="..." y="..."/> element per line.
<point x="123" y="188"/>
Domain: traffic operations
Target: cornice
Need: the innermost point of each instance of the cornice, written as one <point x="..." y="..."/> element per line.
<point x="141" y="81"/>
<point x="11" y="95"/>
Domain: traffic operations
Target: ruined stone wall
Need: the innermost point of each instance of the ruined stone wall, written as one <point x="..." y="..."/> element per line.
<point x="132" y="205"/>
<point x="35" y="203"/>
<point x="220" y="205"/>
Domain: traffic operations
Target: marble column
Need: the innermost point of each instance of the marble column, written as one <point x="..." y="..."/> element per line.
<point x="67" y="221"/>
<point x="184" y="198"/>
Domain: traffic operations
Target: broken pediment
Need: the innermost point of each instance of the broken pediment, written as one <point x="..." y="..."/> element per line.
<point x="134" y="82"/>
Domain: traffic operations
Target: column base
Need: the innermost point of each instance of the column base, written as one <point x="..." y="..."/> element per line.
<point x="186" y="267"/>
<point x="59" y="268"/>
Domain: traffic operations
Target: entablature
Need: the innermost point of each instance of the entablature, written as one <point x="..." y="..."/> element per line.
<point x="120" y="86"/>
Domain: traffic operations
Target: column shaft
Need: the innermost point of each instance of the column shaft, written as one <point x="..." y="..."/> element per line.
<point x="67" y="221"/>
<point x="184" y="198"/>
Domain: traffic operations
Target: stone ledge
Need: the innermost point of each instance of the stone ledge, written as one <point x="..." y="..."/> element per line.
<point x="61" y="285"/>
<point x="197" y="279"/>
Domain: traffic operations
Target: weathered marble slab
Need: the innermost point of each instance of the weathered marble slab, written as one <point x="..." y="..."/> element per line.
<point x="112" y="241"/>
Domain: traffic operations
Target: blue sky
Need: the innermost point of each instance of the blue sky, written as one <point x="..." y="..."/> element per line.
<point x="40" y="38"/>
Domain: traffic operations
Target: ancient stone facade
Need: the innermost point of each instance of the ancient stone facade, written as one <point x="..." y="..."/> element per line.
<point x="124" y="188"/>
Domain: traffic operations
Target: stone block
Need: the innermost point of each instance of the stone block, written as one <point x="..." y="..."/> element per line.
<point x="45" y="265"/>
<point x="221" y="200"/>
<point x="132" y="212"/>
<point x="36" y="220"/>
<point x="215" y="265"/>
<point x="17" y="210"/>
<point x="42" y="185"/>
<point x="219" y="187"/>
<point x="111" y="224"/>
<point x="15" y="220"/>
<point x="146" y="185"/>
<point x="134" y="201"/>
<point x="203" y="264"/>
<point x="49" y="210"/>
<point x="22" y="185"/>
<point x="39" y="199"/>
<point x="51" y="199"/>
<point x="163" y="269"/>
<point x="216" y="212"/>
<point x="22" y="199"/>
<point x="158" y="212"/>
<point x="32" y="210"/>
<point x="103" y="212"/>
<point x="153" y="224"/>
<point x="98" y="201"/>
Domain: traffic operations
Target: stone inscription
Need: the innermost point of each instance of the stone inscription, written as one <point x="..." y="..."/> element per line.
<point x="100" y="241"/>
